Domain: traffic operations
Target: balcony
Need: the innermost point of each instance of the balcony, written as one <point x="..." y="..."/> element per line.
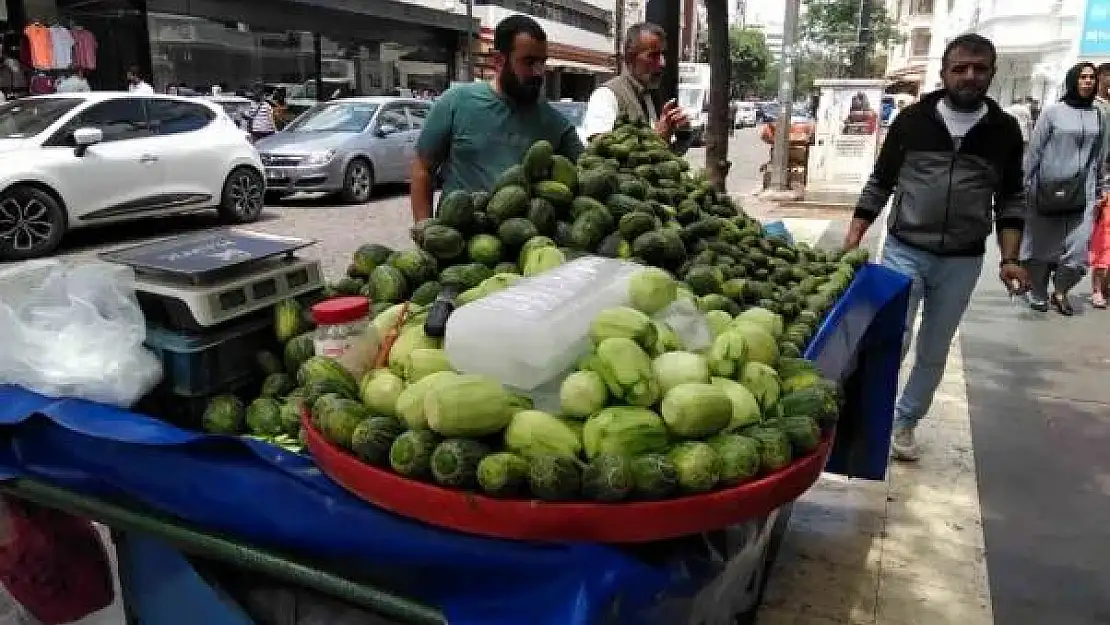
<point x="1017" y="27"/>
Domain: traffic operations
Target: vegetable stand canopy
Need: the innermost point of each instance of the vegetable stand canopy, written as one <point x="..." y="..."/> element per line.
<point x="261" y="495"/>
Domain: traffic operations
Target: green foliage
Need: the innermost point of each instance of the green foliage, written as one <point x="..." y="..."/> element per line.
<point x="831" y="34"/>
<point x="749" y="59"/>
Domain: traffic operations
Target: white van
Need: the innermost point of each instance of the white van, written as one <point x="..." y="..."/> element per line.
<point x="745" y="115"/>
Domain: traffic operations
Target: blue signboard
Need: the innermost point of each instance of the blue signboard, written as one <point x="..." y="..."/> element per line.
<point x="1094" y="40"/>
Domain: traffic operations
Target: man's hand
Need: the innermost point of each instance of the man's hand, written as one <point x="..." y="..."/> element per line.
<point x="671" y="119"/>
<point x="1014" y="277"/>
<point x="856" y="230"/>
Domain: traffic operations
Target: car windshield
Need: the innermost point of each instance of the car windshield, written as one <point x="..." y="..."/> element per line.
<point x="335" y="117"/>
<point x="26" y="118"/>
<point x="573" y="111"/>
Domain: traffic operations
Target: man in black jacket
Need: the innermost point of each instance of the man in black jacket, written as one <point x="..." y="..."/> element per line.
<point x="953" y="164"/>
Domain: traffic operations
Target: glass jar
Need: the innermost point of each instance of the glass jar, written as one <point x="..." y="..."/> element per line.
<point x="340" y="324"/>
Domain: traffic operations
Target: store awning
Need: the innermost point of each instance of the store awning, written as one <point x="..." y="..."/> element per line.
<point x="913" y="73"/>
<point x="577" y="67"/>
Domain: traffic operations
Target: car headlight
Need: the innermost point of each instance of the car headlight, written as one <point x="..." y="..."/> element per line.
<point x="319" y="158"/>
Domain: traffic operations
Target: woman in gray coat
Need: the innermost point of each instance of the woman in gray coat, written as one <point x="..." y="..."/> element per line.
<point x="1063" y="177"/>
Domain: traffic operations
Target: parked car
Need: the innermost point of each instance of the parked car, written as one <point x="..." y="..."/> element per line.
<point x="575" y="112"/>
<point x="344" y="146"/>
<point x="745" y="115"/>
<point x="73" y="160"/>
<point x="237" y="107"/>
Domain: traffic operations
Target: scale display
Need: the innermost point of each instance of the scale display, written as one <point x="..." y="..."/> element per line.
<point x="204" y="280"/>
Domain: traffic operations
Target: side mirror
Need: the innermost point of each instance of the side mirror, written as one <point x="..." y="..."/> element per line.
<point x="386" y="129"/>
<point x="86" y="137"/>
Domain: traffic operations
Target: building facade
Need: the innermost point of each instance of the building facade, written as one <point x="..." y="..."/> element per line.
<point x="312" y="48"/>
<point x="581" y="49"/>
<point x="1037" y="41"/>
<point x="924" y="25"/>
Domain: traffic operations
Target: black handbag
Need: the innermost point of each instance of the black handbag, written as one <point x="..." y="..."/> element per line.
<point x="1068" y="196"/>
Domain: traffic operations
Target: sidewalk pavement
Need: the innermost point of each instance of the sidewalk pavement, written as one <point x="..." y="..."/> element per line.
<point x="905" y="551"/>
<point x="1006" y="518"/>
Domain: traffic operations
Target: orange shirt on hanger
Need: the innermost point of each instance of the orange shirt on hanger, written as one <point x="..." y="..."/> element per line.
<point x="42" y="46"/>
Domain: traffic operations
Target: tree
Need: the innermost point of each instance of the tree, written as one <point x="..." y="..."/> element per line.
<point x="806" y="70"/>
<point x="720" y="74"/>
<point x="831" y="32"/>
<point x="749" y="59"/>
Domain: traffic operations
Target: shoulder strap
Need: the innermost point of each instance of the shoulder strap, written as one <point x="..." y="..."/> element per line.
<point x="1096" y="145"/>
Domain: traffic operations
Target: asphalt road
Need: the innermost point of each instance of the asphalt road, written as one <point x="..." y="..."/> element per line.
<point x="339" y="229"/>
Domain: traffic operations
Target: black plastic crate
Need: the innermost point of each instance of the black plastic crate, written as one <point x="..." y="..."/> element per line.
<point x="188" y="412"/>
<point x="204" y="363"/>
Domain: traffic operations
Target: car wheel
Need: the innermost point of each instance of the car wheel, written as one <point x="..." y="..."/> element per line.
<point x="32" y="223"/>
<point x="358" y="182"/>
<point x="243" y="196"/>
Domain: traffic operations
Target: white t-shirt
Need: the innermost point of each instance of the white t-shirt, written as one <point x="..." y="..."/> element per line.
<point x="141" y="87"/>
<point x="602" y="111"/>
<point x="61" y="44"/>
<point x="959" y="122"/>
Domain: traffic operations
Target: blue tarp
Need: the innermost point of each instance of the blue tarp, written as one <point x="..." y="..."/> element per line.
<point x="254" y="492"/>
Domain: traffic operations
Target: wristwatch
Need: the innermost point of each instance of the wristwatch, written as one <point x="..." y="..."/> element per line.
<point x="1009" y="261"/>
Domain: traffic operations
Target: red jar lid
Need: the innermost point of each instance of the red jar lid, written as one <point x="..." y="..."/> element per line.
<point x="341" y="310"/>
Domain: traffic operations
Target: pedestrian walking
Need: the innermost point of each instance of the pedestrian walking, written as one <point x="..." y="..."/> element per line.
<point x="1099" y="255"/>
<point x="1063" y="175"/>
<point x="260" y="115"/>
<point x="1020" y="111"/>
<point x="952" y="161"/>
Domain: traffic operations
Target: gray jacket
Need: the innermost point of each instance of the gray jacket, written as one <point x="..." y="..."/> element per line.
<point x="946" y="200"/>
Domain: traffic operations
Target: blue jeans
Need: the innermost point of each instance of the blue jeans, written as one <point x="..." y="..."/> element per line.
<point x="942" y="287"/>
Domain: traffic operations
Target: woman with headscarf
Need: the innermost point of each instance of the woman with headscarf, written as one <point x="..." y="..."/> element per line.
<point x="1063" y="170"/>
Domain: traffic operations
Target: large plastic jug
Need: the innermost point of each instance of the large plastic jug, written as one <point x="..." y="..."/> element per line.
<point x="530" y="333"/>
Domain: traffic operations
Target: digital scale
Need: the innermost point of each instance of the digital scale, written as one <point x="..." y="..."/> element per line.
<point x="196" y="282"/>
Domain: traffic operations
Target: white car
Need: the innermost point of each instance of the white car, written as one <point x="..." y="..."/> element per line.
<point x="73" y="160"/>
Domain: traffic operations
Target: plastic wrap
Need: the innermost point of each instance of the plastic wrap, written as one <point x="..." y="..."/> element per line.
<point x="533" y="331"/>
<point x="75" y="331"/>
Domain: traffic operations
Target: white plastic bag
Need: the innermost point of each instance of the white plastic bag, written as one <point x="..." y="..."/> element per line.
<point x="74" y="331"/>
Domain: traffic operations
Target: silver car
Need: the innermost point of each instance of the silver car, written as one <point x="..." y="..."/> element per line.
<point x="344" y="146"/>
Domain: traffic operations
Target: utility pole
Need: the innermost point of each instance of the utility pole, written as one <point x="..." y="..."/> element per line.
<point x="862" y="54"/>
<point x="470" y="40"/>
<point x="780" y="162"/>
<point x="618" y="34"/>
<point x="666" y="13"/>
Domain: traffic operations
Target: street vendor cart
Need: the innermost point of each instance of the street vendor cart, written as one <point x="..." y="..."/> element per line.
<point x="170" y="495"/>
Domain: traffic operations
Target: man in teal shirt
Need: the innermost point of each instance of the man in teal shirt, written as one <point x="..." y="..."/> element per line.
<point x="476" y="131"/>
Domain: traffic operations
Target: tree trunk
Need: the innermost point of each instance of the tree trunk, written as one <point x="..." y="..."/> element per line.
<point x="716" y="140"/>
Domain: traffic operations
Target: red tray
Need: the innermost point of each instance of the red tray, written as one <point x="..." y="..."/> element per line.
<point x="519" y="519"/>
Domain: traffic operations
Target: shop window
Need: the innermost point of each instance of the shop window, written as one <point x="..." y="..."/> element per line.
<point x="169" y="117"/>
<point x="201" y="53"/>
<point x="920" y="39"/>
<point x="119" y="120"/>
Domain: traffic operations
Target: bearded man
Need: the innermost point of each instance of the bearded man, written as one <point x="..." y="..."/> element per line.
<point x="477" y="130"/>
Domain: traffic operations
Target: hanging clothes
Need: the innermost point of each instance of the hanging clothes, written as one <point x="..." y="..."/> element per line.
<point x="84" y="48"/>
<point x="40" y="46"/>
<point x="61" y="46"/>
